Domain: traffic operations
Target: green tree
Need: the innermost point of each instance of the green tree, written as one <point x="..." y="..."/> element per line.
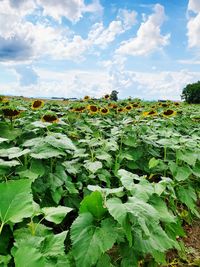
<point x="113" y="95"/>
<point x="191" y="93"/>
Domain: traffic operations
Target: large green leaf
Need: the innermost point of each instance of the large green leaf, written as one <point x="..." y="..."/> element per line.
<point x="89" y="242"/>
<point x="56" y="214"/>
<point x="28" y="256"/>
<point x="93" y="166"/>
<point x="127" y="179"/>
<point x="16" y="201"/>
<point x="93" y="204"/>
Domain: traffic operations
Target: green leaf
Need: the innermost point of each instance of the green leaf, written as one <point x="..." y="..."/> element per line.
<point x="60" y="141"/>
<point x="3" y="140"/>
<point x="28" y="174"/>
<point x="189" y="198"/>
<point x="89" y="242"/>
<point x="45" y="152"/>
<point x="93" y="203"/>
<point x="183" y="173"/>
<point x="10" y="163"/>
<point x="187" y="156"/>
<point x="153" y="163"/>
<point x="93" y="166"/>
<point x="55" y="214"/>
<point x="54" y="245"/>
<point x="28" y="256"/>
<point x="127" y="179"/>
<point x="16" y="201"/>
<point x="161" y="207"/>
<point x="4" y="260"/>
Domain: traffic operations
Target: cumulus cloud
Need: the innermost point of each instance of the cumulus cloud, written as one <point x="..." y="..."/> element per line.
<point x="149" y="37"/>
<point x="73" y="10"/>
<point x="193" y="25"/>
<point x="194" y="5"/>
<point x="128" y="17"/>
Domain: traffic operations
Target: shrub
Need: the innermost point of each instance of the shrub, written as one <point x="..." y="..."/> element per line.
<point x="191" y="93"/>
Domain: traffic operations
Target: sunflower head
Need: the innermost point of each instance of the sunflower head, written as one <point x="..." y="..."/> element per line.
<point x="128" y="108"/>
<point x="149" y="113"/>
<point x="120" y="110"/>
<point x="169" y="113"/>
<point x="107" y="96"/>
<point x="135" y="105"/>
<point x="79" y="109"/>
<point x="50" y="117"/>
<point x="10" y="112"/>
<point x="86" y="98"/>
<point x="104" y="111"/>
<point x="36" y="104"/>
<point x="177" y="104"/>
<point x="93" y="109"/>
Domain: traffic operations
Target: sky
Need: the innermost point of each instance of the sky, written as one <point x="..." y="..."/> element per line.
<point x="148" y="49"/>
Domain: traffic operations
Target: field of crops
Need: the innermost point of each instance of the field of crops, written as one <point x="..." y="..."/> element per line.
<point x="97" y="183"/>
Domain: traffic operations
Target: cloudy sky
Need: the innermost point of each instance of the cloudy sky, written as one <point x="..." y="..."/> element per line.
<point x="70" y="48"/>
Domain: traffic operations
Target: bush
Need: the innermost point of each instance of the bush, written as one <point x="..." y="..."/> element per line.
<point x="191" y="93"/>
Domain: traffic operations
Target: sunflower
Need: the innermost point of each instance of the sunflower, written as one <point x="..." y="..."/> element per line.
<point x="104" y="111"/>
<point x="135" y="105"/>
<point x="79" y="109"/>
<point x="119" y="110"/>
<point x="106" y="96"/>
<point x="4" y="99"/>
<point x="149" y="113"/>
<point x="169" y="113"/>
<point x="36" y="104"/>
<point x="86" y="98"/>
<point x="128" y="108"/>
<point x="93" y="109"/>
<point x="10" y="112"/>
<point x="176" y="103"/>
<point x="50" y="117"/>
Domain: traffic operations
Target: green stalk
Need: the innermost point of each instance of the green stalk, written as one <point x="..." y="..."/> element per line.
<point x="165" y="158"/>
<point x="1" y="227"/>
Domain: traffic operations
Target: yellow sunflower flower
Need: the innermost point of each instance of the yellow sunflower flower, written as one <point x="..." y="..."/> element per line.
<point x="93" y="109"/>
<point x="149" y="113"/>
<point x="86" y="98"/>
<point x="36" y="104"/>
<point x="106" y="97"/>
<point x="169" y="113"/>
<point x="10" y="112"/>
<point x="120" y="110"/>
<point x="104" y="111"/>
<point x="128" y="108"/>
<point x="50" y="117"/>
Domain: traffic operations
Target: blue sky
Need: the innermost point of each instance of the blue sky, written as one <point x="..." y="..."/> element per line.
<point x="71" y="48"/>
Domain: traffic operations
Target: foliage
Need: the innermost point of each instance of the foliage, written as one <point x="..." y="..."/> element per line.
<point x="191" y="93"/>
<point x="92" y="189"/>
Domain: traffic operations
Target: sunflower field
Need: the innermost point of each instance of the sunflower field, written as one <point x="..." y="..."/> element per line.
<point x="97" y="183"/>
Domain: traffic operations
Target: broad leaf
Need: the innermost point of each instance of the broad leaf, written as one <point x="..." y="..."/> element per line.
<point x="16" y="201"/>
<point x="93" y="203"/>
<point x="56" y="214"/>
<point x="89" y="242"/>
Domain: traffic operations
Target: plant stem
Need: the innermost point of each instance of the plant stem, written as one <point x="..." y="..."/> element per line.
<point x="1" y="227"/>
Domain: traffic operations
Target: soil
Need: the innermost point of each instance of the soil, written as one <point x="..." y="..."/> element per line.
<point x="190" y="257"/>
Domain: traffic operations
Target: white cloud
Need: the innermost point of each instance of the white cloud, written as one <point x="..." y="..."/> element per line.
<point x="193" y="25"/>
<point x="128" y="17"/>
<point x="194" y="5"/>
<point x="73" y="10"/>
<point x="149" y="38"/>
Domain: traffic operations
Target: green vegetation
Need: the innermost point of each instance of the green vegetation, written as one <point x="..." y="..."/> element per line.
<point x="191" y="93"/>
<point x="96" y="183"/>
